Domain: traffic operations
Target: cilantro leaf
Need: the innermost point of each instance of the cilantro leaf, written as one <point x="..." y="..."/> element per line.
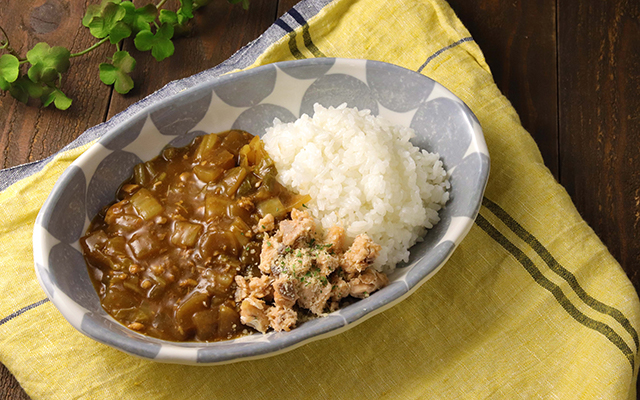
<point x="109" y="18"/>
<point x="19" y="91"/>
<point x="117" y="73"/>
<point x="55" y="96"/>
<point x="119" y="32"/>
<point x="23" y="87"/>
<point x="9" y="70"/>
<point x="168" y="17"/>
<point x="47" y="63"/>
<point x="92" y="11"/>
<point x="160" y="44"/>
<point x="139" y="18"/>
<point x="186" y="11"/>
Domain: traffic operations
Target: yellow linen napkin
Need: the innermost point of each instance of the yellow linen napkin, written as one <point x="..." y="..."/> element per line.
<point x="531" y="305"/>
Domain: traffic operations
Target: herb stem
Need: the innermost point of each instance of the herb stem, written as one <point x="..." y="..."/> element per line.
<point x="85" y="51"/>
<point x="159" y="6"/>
<point x="6" y="39"/>
<point x="6" y="46"/>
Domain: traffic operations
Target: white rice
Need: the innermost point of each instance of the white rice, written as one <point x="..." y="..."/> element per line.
<point x="363" y="174"/>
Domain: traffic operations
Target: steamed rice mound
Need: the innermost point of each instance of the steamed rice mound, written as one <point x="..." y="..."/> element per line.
<point x="363" y="174"/>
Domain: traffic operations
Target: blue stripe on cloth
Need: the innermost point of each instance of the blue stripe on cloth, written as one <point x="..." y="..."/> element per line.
<point x="22" y="311"/>
<point x="284" y="25"/>
<point x="297" y="16"/>
<point x="442" y="50"/>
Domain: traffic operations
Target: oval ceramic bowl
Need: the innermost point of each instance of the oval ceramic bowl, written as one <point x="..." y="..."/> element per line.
<point x="250" y="100"/>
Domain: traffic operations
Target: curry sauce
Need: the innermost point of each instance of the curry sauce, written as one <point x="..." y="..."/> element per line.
<point x="164" y="256"/>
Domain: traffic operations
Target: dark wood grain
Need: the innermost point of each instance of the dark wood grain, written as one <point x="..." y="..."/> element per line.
<point x="518" y="39"/>
<point x="28" y="132"/>
<point x="10" y="388"/>
<point x="599" y="92"/>
<point x="218" y="31"/>
<point x="285" y="5"/>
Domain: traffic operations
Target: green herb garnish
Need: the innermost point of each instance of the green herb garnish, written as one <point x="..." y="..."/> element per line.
<point x="112" y="21"/>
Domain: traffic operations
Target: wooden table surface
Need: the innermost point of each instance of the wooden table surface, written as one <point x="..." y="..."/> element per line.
<point x="571" y="68"/>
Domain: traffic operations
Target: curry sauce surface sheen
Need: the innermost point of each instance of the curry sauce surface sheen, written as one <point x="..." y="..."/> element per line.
<point x="163" y="258"/>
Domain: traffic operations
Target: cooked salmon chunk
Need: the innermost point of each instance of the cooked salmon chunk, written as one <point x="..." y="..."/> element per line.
<point x="284" y="292"/>
<point x="253" y="313"/>
<point x="266" y="224"/>
<point x="366" y="283"/>
<point x="282" y="318"/>
<point x="335" y="237"/>
<point x="300" y="228"/>
<point x="301" y="270"/>
<point x="362" y="253"/>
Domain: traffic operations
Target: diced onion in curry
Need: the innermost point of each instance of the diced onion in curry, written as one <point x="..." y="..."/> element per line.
<point x="164" y="256"/>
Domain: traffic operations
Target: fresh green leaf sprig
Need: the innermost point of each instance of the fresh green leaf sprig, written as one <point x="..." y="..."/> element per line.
<point x="113" y="21"/>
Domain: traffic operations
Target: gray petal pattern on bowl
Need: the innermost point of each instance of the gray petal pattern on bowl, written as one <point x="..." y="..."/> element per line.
<point x="431" y="239"/>
<point x="250" y="91"/>
<point x="182" y="114"/>
<point x="397" y="89"/>
<point x="470" y="115"/>
<point x="46" y="280"/>
<point x="467" y="185"/>
<point x="65" y="217"/>
<point x="227" y="351"/>
<point x="425" y="265"/>
<point x="97" y="326"/>
<point x="310" y="70"/>
<point x="69" y="274"/>
<point x="334" y="89"/>
<point x="314" y="327"/>
<point x="363" y="307"/>
<point x="111" y="172"/>
<point x="258" y="118"/>
<point x="125" y="136"/>
<point x="183" y="140"/>
<point x="449" y="137"/>
<point x="244" y="100"/>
